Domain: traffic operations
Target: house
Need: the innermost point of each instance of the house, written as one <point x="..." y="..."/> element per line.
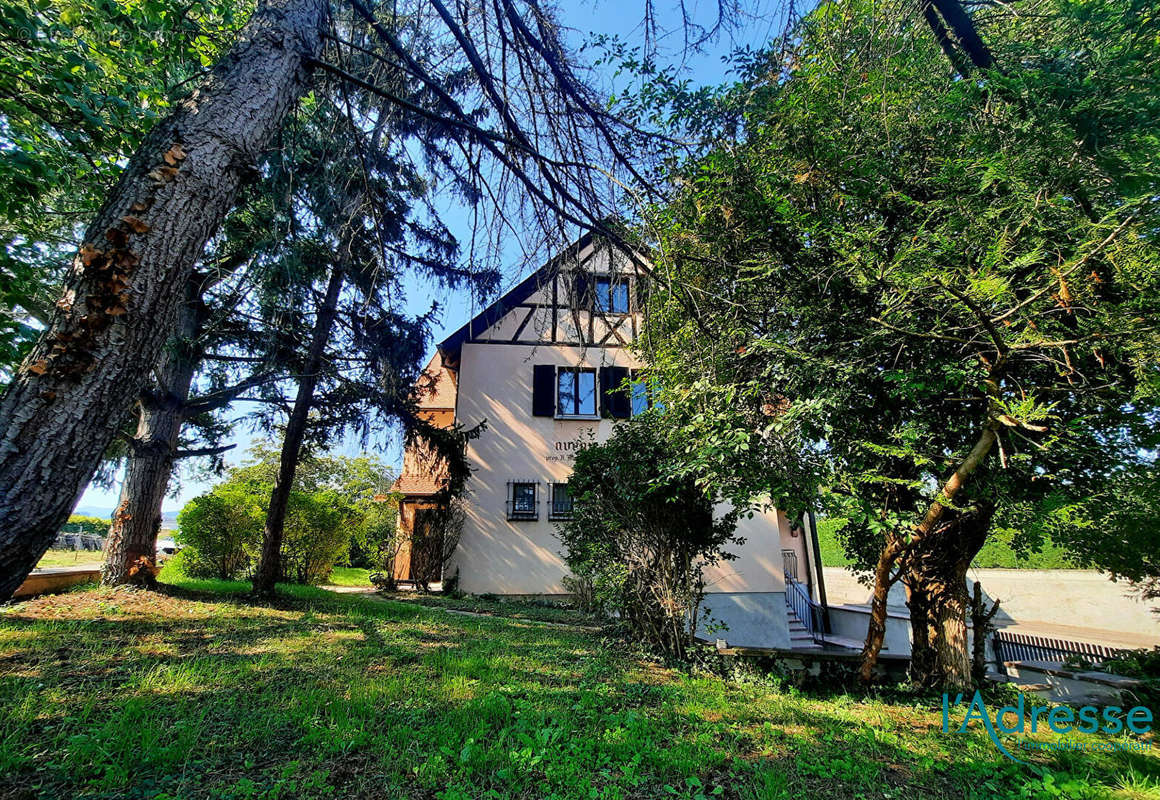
<point x="540" y="366"/>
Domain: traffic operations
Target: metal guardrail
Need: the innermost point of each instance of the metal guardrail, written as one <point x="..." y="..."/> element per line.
<point x="789" y="563"/>
<point x="811" y="614"/>
<point x="1011" y="646"/>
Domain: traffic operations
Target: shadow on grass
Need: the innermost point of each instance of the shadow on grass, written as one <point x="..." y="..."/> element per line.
<point x="313" y="695"/>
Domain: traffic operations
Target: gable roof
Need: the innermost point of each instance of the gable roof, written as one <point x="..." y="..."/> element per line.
<point x="452" y="346"/>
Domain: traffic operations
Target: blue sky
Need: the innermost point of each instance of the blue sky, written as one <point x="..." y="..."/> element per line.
<point x="584" y="19"/>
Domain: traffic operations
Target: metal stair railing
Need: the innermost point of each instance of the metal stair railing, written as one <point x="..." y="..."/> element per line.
<point x="809" y="613"/>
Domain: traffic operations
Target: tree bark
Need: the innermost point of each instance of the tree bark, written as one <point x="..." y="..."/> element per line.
<point x="270" y="565"/>
<point x="876" y="630"/>
<point x="137" y="520"/>
<point x="936" y="574"/>
<point x="62" y="407"/>
<point x="921" y="652"/>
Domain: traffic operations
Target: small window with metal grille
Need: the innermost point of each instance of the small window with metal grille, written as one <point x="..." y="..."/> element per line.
<point x="561" y="507"/>
<point x="522" y="503"/>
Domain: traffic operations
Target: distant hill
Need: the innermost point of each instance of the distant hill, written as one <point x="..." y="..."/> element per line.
<point x="107" y="513"/>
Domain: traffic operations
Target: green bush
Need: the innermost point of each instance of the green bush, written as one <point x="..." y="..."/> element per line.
<point x="221" y="532"/>
<point x="316" y="535"/>
<point x="373" y="543"/>
<point x="332" y="519"/>
<point x="639" y="538"/>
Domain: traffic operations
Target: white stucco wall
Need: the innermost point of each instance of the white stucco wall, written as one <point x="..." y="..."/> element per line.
<point x="504" y="556"/>
<point x="495" y="385"/>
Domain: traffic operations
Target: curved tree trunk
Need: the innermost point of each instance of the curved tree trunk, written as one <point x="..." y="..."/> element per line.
<point x="894" y="549"/>
<point x="120" y="304"/>
<point x="270" y="565"/>
<point x="876" y="630"/>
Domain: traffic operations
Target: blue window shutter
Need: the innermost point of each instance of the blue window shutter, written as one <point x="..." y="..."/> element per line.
<point x="614" y="402"/>
<point x="543" y="390"/>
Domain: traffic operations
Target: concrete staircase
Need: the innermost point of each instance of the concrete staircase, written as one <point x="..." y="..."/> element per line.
<point x="800" y="638"/>
<point x="799" y="635"/>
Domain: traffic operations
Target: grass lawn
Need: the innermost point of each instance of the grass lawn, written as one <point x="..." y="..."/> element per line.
<point x="70" y="558"/>
<point x="122" y="693"/>
<point x="996" y="553"/>
<point x="349" y="576"/>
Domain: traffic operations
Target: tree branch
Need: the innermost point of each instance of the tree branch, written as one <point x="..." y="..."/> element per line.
<point x="223" y="397"/>
<point x="204" y="451"/>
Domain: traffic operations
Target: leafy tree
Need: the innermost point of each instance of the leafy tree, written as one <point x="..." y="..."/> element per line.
<point x="642" y="537"/>
<point x="330" y="508"/>
<point x="933" y="297"/>
<point x="81" y="82"/>
<point x="317" y="535"/>
<point x="374" y="541"/>
<point x="1118" y="529"/>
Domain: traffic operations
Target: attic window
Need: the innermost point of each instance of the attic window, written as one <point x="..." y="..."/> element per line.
<point x="611" y="295"/>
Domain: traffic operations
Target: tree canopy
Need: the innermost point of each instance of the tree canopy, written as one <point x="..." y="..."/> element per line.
<point x="930" y="297"/>
<point x="81" y="82"/>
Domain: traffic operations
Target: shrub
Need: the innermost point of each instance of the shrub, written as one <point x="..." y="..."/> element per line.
<point x="316" y="535"/>
<point x="332" y="518"/>
<point x="90" y="526"/>
<point x="374" y="541"/>
<point x="221" y="532"/>
<point x="641" y="536"/>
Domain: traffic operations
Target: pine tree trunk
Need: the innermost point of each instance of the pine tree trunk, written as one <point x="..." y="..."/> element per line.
<point x="63" y="406"/>
<point x="270" y="565"/>
<point x="137" y="520"/>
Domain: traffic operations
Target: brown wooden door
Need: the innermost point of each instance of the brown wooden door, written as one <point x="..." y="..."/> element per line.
<point x="426" y="547"/>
